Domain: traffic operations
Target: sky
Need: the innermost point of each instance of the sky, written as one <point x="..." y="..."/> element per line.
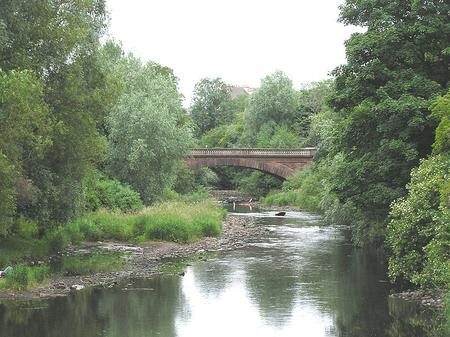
<point x="240" y="41"/>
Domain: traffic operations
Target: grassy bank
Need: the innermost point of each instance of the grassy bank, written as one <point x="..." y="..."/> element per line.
<point x="170" y="221"/>
<point x="178" y="221"/>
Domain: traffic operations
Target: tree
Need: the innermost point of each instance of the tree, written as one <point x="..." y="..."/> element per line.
<point x="45" y="36"/>
<point x="57" y="42"/>
<point x="273" y="104"/>
<point x="211" y="105"/>
<point x="311" y="101"/>
<point x="146" y="139"/>
<point x="382" y="97"/>
<point x="25" y="130"/>
<point x="419" y="232"/>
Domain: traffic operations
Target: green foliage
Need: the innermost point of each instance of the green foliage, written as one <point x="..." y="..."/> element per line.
<point x="441" y="110"/>
<point x="419" y="233"/>
<point x="172" y="221"/>
<point x="23" y="276"/>
<point x="146" y="139"/>
<point x="57" y="240"/>
<point x="274" y="103"/>
<point x="25" y="127"/>
<point x="256" y="183"/>
<point x="25" y="228"/>
<point x="55" y="91"/>
<point x="24" y="118"/>
<point x="103" y="192"/>
<point x="223" y="136"/>
<point x="178" y="222"/>
<point x="211" y="105"/>
<point x="199" y="195"/>
<point x="185" y="181"/>
<point x="382" y="98"/>
<point x="304" y="189"/>
<point x="7" y="194"/>
<point x="280" y="137"/>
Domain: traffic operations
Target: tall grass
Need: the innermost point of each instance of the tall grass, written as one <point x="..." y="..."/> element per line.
<point x="179" y="221"/>
<point x="171" y="221"/>
<point x="23" y="276"/>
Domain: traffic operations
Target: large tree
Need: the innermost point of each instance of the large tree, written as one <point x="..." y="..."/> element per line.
<point x="274" y="104"/>
<point x="146" y="134"/>
<point x="25" y="129"/>
<point x="57" y="42"/>
<point x="383" y="95"/>
<point x="211" y="105"/>
<point x="419" y="232"/>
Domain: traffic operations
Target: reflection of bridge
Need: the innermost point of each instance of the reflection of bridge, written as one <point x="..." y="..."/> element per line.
<point x="277" y="162"/>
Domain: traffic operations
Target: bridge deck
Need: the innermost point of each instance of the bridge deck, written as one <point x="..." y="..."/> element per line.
<point x="254" y="152"/>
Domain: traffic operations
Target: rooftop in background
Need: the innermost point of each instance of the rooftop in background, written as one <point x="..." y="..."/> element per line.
<point x="237" y="91"/>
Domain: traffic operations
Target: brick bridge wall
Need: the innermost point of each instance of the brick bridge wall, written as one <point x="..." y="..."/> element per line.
<point x="277" y="162"/>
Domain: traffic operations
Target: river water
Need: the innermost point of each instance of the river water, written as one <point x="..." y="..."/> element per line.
<point x="300" y="279"/>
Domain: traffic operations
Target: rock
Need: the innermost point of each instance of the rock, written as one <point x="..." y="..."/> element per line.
<point x="280" y="214"/>
<point x="60" y="285"/>
<point x="76" y="287"/>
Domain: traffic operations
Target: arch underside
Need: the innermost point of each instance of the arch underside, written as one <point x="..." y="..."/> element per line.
<point x="269" y="167"/>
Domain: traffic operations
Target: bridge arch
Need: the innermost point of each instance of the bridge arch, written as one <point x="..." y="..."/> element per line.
<point x="275" y="169"/>
<point x="277" y="162"/>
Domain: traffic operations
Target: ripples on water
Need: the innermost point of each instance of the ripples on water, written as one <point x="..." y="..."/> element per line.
<point x="300" y="279"/>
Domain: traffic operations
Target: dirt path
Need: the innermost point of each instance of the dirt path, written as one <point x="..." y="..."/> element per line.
<point x="142" y="260"/>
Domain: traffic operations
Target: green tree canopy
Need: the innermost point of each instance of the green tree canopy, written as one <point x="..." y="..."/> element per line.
<point x="383" y="97"/>
<point x="57" y="42"/>
<point x="273" y="104"/>
<point x="146" y="138"/>
<point x="211" y="105"/>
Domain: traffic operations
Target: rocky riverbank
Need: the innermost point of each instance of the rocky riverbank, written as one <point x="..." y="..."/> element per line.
<point x="424" y="298"/>
<point x="141" y="260"/>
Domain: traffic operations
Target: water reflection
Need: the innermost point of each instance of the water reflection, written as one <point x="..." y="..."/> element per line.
<point x="147" y="308"/>
<point x="301" y="279"/>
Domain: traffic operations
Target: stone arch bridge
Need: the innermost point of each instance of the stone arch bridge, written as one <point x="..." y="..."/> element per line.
<point x="278" y="162"/>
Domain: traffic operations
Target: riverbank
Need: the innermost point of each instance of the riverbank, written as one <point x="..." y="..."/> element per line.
<point x="140" y="260"/>
<point x="426" y="298"/>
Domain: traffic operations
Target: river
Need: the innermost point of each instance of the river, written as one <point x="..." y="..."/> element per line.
<point x="300" y="279"/>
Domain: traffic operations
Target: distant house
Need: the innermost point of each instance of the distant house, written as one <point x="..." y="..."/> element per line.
<point x="237" y="91"/>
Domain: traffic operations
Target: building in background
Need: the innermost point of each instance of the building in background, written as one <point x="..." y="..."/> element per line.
<point x="237" y="91"/>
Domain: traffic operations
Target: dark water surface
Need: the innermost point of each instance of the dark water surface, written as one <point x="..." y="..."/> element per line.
<point x="300" y="279"/>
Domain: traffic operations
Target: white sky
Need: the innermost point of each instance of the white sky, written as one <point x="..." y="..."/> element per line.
<point x="240" y="41"/>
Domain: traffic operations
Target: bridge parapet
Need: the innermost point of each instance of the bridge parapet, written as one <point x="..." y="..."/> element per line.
<point x="307" y="152"/>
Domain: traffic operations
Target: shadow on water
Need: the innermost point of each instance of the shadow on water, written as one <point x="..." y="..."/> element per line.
<point x="300" y="279"/>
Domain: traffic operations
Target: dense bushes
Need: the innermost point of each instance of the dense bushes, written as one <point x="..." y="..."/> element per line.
<point x="419" y="233"/>
<point x="103" y="192"/>
<point x="304" y="189"/>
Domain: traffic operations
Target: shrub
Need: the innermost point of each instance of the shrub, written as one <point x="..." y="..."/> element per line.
<point x="102" y="192"/>
<point x="23" y="276"/>
<point x="25" y="228"/>
<point x="304" y="189"/>
<point x="57" y="240"/>
<point x="419" y="233"/>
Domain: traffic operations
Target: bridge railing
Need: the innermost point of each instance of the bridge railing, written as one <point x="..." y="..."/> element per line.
<point x="307" y="152"/>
